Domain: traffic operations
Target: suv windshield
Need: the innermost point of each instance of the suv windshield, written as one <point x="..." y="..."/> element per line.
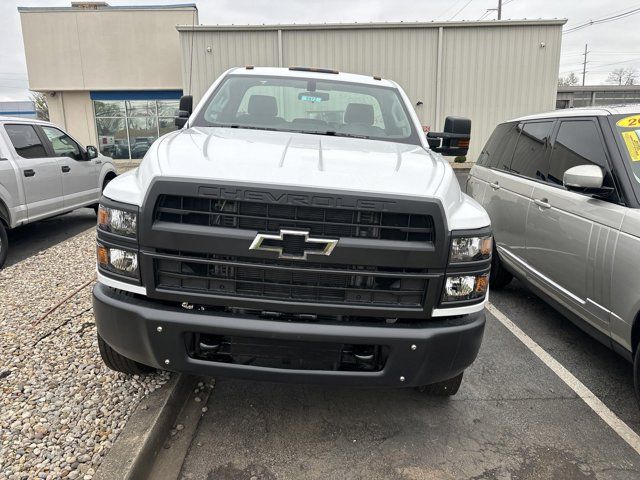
<point x="308" y="105"/>
<point x="628" y="136"/>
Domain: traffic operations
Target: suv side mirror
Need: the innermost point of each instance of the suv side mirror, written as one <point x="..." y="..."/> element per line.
<point x="454" y="141"/>
<point x="587" y="179"/>
<point x="184" y="111"/>
<point x="92" y="152"/>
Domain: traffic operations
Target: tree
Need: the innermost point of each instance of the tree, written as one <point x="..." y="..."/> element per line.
<point x="40" y="103"/>
<point x="623" y="76"/>
<point x="568" y="81"/>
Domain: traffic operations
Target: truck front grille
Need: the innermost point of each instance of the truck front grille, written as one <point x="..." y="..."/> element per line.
<point x="225" y="276"/>
<point x="270" y="218"/>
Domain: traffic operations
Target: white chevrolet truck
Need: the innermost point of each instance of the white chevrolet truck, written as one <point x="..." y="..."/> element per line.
<point x="45" y="172"/>
<point x="299" y="228"/>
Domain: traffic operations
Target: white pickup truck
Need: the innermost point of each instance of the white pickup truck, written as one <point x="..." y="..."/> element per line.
<point x="299" y="228"/>
<point x="44" y="172"/>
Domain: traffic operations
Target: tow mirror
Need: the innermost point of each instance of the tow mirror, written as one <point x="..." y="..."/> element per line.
<point x="184" y="111"/>
<point x="587" y="179"/>
<point x="454" y="141"/>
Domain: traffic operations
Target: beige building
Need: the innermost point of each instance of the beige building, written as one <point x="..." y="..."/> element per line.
<point x="113" y="75"/>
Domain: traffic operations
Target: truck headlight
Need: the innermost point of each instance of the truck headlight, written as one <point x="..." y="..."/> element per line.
<point x="465" y="287"/>
<point x="470" y="249"/>
<point x="117" y="221"/>
<point x="118" y="260"/>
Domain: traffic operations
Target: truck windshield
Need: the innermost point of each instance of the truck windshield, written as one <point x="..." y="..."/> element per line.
<point x="308" y="105"/>
<point x="628" y="137"/>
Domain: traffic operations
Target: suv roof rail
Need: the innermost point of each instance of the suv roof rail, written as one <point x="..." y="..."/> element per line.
<point x="316" y="70"/>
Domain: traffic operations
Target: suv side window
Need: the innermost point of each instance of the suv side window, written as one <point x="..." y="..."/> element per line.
<point x="62" y="144"/>
<point x="26" y="141"/>
<point x="493" y="147"/>
<point x="504" y="153"/>
<point x="529" y="158"/>
<point x="577" y="143"/>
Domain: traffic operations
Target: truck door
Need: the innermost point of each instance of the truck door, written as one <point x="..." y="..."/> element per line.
<point x="40" y="174"/>
<point x="79" y="175"/>
<point x="567" y="230"/>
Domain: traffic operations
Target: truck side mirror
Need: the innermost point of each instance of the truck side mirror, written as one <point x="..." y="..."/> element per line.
<point x="454" y="141"/>
<point x="184" y="111"/>
<point x="92" y="152"/>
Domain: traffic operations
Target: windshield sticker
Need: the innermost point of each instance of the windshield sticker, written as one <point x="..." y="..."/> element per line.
<point x="310" y="98"/>
<point x="632" y="142"/>
<point x="628" y="122"/>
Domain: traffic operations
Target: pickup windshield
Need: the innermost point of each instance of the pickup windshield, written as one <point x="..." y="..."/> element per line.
<point x="308" y="105"/>
<point x="628" y="137"/>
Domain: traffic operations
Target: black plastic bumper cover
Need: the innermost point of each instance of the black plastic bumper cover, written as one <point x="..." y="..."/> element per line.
<point x="444" y="347"/>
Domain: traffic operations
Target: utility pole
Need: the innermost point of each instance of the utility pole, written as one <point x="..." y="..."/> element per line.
<point x="584" y="64"/>
<point x="499" y="9"/>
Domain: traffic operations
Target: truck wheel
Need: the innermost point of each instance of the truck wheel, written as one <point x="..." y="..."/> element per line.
<point x="119" y="363"/>
<point x="448" y="388"/>
<point x="4" y="244"/>
<point x="500" y="277"/>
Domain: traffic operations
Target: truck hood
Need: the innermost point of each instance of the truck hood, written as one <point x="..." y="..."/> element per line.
<point x="303" y="160"/>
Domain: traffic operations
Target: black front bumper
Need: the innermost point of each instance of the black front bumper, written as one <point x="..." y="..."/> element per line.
<point x="153" y="334"/>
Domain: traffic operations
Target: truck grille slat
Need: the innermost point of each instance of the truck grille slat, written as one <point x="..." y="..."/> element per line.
<point x="265" y="217"/>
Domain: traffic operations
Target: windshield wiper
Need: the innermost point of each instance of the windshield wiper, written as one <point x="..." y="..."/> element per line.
<point x="333" y="133"/>
<point x="249" y="127"/>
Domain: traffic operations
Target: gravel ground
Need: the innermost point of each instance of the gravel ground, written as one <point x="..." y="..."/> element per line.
<point x="61" y="409"/>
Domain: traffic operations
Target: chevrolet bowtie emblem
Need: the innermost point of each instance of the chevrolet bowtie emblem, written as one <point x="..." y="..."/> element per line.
<point x="293" y="244"/>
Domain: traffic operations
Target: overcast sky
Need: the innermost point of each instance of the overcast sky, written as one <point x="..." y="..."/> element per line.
<point x="611" y="45"/>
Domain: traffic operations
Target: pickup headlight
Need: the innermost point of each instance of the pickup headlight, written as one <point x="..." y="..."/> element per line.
<point x="118" y="260"/>
<point x="465" y="287"/>
<point x="470" y="249"/>
<point x="117" y="221"/>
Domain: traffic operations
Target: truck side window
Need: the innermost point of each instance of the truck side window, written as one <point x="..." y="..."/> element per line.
<point x="577" y="143"/>
<point x="62" y="144"/>
<point x="504" y="153"/>
<point x="529" y="158"/>
<point x="26" y="141"/>
<point x="490" y="153"/>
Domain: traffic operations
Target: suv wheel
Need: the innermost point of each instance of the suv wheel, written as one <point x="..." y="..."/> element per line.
<point x="636" y="373"/>
<point x="447" y="388"/>
<point x="499" y="277"/>
<point x="4" y="244"/>
<point x="119" y="363"/>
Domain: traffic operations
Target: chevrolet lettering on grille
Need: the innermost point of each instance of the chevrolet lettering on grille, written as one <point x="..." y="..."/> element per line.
<point x="293" y="244"/>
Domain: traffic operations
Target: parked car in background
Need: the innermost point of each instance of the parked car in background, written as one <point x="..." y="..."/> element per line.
<point x="563" y="193"/>
<point x="45" y="172"/>
<point x="263" y="243"/>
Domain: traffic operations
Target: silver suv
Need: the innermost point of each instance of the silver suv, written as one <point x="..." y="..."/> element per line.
<point x="44" y="172"/>
<point x="563" y="193"/>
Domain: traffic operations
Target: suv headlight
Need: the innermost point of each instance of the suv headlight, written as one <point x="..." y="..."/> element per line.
<point x="117" y="221"/>
<point x="470" y="249"/>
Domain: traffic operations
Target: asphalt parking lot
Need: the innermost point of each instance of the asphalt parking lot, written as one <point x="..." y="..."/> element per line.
<point x="512" y="418"/>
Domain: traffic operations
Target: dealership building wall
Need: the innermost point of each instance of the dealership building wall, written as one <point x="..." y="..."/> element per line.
<point x="111" y="75"/>
<point x="487" y="71"/>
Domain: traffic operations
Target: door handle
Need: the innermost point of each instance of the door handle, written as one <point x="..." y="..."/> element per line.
<point x="495" y="185"/>
<point x="542" y="203"/>
<point x="29" y="173"/>
<point x="66" y="169"/>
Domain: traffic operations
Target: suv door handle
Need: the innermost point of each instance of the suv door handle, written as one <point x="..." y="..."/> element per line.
<point x="495" y="185"/>
<point x="542" y="203"/>
<point x="66" y="169"/>
<point x="29" y="172"/>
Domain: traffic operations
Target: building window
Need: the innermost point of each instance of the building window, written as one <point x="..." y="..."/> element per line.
<point x="127" y="128"/>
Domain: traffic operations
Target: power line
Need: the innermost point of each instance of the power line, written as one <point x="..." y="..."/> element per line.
<point x="463" y="7"/>
<point x="603" y="20"/>
<point x="451" y="7"/>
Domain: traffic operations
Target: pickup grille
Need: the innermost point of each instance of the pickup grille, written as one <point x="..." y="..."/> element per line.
<point x="220" y="275"/>
<point x="270" y="218"/>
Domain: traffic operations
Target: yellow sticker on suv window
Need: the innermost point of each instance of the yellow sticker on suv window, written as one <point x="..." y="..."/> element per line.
<point x="632" y="142"/>
<point x="632" y="121"/>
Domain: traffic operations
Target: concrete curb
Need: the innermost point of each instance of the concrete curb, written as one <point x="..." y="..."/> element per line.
<point x="137" y="446"/>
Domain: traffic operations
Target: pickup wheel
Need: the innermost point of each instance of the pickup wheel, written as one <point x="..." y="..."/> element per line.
<point x="448" y="388"/>
<point x="500" y="277"/>
<point x="4" y="244"/>
<point x="120" y="363"/>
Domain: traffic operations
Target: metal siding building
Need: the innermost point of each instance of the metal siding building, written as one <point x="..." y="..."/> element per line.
<point x="488" y="71"/>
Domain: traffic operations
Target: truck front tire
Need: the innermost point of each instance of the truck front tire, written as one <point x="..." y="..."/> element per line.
<point x="447" y="388"/>
<point x="4" y="244"/>
<point x="119" y="363"/>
